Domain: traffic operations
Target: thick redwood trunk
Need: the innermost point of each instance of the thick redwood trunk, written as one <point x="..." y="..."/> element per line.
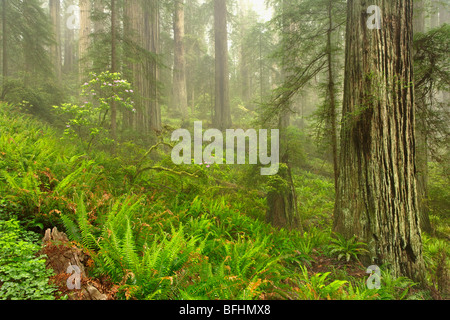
<point x="377" y="195"/>
<point x="142" y="29"/>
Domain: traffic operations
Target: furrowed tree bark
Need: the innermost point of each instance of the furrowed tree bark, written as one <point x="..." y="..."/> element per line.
<point x="377" y="195"/>
<point x="222" y="112"/>
<point x="142" y="31"/>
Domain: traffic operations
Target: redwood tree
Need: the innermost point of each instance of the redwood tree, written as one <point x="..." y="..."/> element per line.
<point x="141" y="25"/>
<point x="55" y="15"/>
<point x="377" y="195"/>
<point x="83" y="42"/>
<point x="179" y="73"/>
<point x="222" y="114"/>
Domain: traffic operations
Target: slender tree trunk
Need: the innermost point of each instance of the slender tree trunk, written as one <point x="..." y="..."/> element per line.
<point x="69" y="40"/>
<point x="83" y="43"/>
<point x="222" y="114"/>
<point x="179" y="73"/>
<point x="245" y="78"/>
<point x="422" y="139"/>
<point x="4" y="41"/>
<point x="444" y="12"/>
<point x="98" y="24"/>
<point x="131" y="27"/>
<point x="332" y="96"/>
<point x="113" y="66"/>
<point x="377" y="195"/>
<point x="434" y="20"/>
<point x="244" y="63"/>
<point x="55" y="14"/>
<point x="282" y="198"/>
<point x="152" y="34"/>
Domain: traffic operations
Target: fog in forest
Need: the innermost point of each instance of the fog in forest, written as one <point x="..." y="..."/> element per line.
<point x="224" y="150"/>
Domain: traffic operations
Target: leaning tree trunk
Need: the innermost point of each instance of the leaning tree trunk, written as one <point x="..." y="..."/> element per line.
<point x="377" y="196"/>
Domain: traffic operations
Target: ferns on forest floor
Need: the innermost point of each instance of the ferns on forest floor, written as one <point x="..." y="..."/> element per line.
<point x="147" y="269"/>
<point x="168" y="238"/>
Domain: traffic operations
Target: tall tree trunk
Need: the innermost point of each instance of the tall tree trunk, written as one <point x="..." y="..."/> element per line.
<point x="222" y="111"/>
<point x="332" y="95"/>
<point x="243" y="52"/>
<point x="179" y="73"/>
<point x="142" y="29"/>
<point x="113" y="66"/>
<point x="444" y="12"/>
<point x="55" y="14"/>
<point x="422" y="139"/>
<point x="282" y="198"/>
<point x="83" y="43"/>
<point x="99" y="7"/>
<point x="434" y="20"/>
<point x="131" y="27"/>
<point x="4" y="41"/>
<point x="69" y="40"/>
<point x="377" y="196"/>
<point x="282" y="201"/>
<point x="151" y="33"/>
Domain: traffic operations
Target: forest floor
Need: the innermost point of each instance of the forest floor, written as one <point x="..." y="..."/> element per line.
<point x="167" y="235"/>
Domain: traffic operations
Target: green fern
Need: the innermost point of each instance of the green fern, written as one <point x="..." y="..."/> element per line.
<point x="80" y="231"/>
<point x="72" y="230"/>
<point x="67" y="182"/>
<point x="318" y="286"/>
<point x="129" y="249"/>
<point x="150" y="266"/>
<point x="88" y="240"/>
<point x="347" y="249"/>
